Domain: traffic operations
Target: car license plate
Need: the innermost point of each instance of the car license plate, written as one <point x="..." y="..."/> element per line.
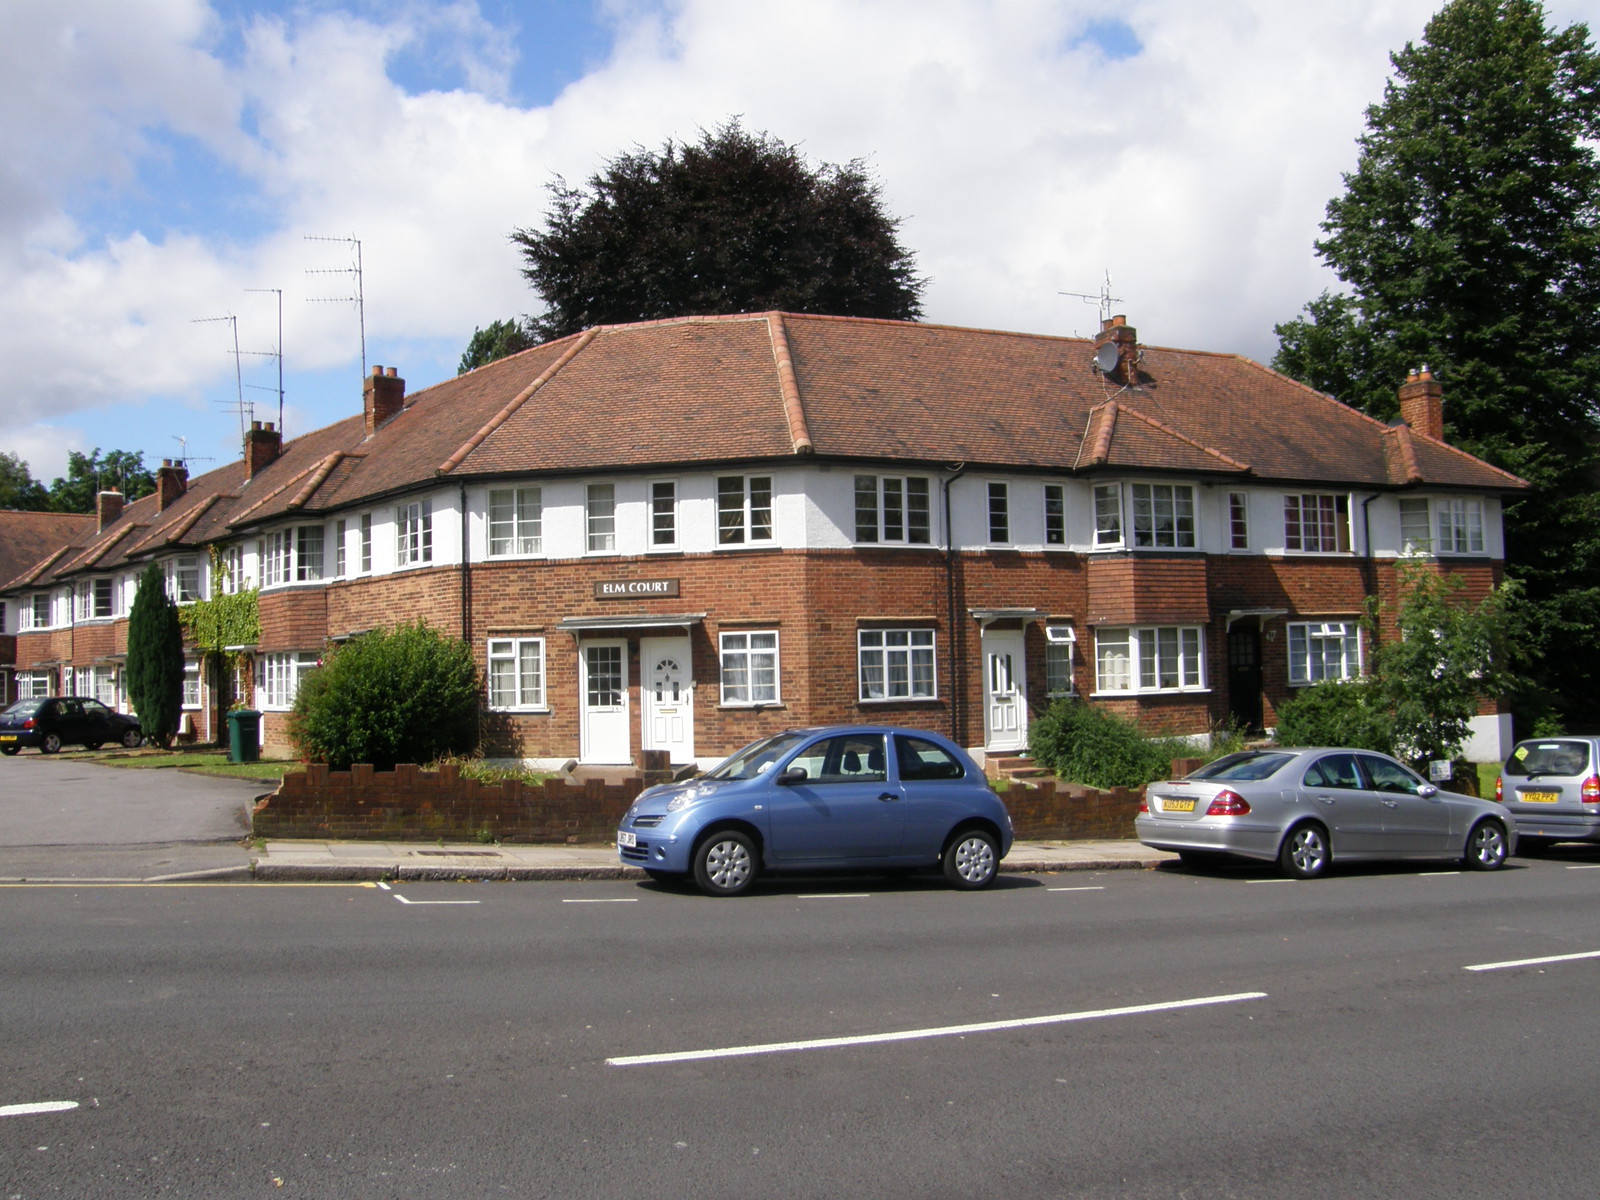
<point x="624" y="838"/>
<point x="1539" y="797"/>
<point x="8" y="737"/>
<point x="1177" y="806"/>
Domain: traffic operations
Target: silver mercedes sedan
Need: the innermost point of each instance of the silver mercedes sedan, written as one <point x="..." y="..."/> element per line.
<point x="1307" y="808"/>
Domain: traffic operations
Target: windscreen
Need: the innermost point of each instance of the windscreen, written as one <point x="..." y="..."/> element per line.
<point x="1243" y="767"/>
<point x="1557" y="756"/>
<point x="756" y="758"/>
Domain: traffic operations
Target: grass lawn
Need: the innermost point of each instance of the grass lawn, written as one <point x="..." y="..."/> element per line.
<point x="201" y="762"/>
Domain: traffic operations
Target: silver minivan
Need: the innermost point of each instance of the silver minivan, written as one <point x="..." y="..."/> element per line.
<point x="1552" y="786"/>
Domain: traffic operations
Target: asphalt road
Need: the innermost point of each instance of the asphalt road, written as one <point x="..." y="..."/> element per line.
<point x="454" y="1040"/>
<point x="63" y="817"/>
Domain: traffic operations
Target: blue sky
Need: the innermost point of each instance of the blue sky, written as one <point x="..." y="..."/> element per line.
<point x="159" y="159"/>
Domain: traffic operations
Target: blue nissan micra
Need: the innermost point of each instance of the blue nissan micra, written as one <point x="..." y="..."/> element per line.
<point x="845" y="796"/>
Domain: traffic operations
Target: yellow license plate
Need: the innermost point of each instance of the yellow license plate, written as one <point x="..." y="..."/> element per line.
<point x="1539" y="797"/>
<point x="8" y="737"/>
<point x="1177" y="806"/>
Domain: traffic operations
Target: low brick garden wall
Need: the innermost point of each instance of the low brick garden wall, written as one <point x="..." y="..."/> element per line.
<point x="410" y="804"/>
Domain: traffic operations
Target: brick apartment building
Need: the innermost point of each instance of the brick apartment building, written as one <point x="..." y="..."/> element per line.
<point x="683" y="534"/>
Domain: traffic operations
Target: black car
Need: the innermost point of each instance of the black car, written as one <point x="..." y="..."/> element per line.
<point x="50" y="722"/>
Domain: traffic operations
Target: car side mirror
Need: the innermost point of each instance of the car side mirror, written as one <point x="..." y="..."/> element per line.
<point x="793" y="775"/>
<point x="1427" y="791"/>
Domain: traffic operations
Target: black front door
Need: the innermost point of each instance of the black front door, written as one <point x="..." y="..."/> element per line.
<point x="1244" y="677"/>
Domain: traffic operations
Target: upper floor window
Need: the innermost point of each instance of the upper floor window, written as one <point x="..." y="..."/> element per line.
<point x="413" y="533"/>
<point x="663" y="514"/>
<point x="1323" y="650"/>
<point x="276" y="552"/>
<point x="600" y="510"/>
<point x="340" y="560"/>
<point x="1055" y="514"/>
<point x="366" y="543"/>
<point x="999" y="512"/>
<point x="183" y="579"/>
<point x="1238" y="521"/>
<point x="893" y="508"/>
<point x="1160" y="515"/>
<point x="233" y="576"/>
<point x="744" y="509"/>
<point x="94" y="598"/>
<point x="36" y="612"/>
<point x="308" y="552"/>
<point x="516" y="521"/>
<point x="1108" y="514"/>
<point x="896" y="664"/>
<point x="1152" y="658"/>
<point x="1316" y="523"/>
<point x="1451" y="525"/>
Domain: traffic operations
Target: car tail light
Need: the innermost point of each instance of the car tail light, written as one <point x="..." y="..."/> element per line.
<point x="1499" y="789"/>
<point x="28" y="724"/>
<point x="1144" y="806"/>
<point x="1591" y="790"/>
<point x="1228" y="804"/>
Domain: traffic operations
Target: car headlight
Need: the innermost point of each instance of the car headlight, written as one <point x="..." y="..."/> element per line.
<point x="681" y="801"/>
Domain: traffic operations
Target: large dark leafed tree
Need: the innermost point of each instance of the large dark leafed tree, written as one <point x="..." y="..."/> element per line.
<point x="1469" y="238"/>
<point x="155" y="658"/>
<point x="736" y="222"/>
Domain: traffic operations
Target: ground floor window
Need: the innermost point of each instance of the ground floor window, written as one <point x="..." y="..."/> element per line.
<point x="1058" y="643"/>
<point x="1321" y="650"/>
<point x="516" y="672"/>
<point x="191" y="683"/>
<point x="278" y="679"/>
<point x="750" y="668"/>
<point x="1150" y="658"/>
<point x="896" y="664"/>
<point x="31" y="684"/>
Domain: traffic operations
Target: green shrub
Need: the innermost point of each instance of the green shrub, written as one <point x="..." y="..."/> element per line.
<point x="409" y="694"/>
<point x="1337" y="714"/>
<point x="155" y="658"/>
<point x="1086" y="744"/>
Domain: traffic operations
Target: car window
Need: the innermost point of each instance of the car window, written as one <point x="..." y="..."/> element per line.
<point x="1244" y="766"/>
<point x="25" y="708"/>
<point x="756" y="758"/>
<point x="1334" y="771"/>
<point x="845" y="758"/>
<point x="1565" y="756"/>
<point x="919" y="759"/>
<point x="1389" y="776"/>
<point x="71" y="706"/>
<point x="93" y="708"/>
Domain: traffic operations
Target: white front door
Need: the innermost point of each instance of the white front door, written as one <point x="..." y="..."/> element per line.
<point x="604" y="688"/>
<point x="668" y="697"/>
<point x="1005" y="693"/>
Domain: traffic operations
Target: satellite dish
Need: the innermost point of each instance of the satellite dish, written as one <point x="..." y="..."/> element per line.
<point x="1106" y="358"/>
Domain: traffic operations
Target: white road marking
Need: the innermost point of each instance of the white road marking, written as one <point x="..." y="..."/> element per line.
<point x="603" y="900"/>
<point x="1272" y="881"/>
<point x="28" y="1110"/>
<point x="834" y="896"/>
<point x="384" y="886"/>
<point x="1584" y="867"/>
<point x="1101" y="888"/>
<point x="403" y="900"/>
<point x="1435" y="874"/>
<point x="1533" y="962"/>
<point x="906" y="1035"/>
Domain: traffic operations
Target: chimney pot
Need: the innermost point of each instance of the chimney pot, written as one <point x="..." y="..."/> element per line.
<point x="391" y="372"/>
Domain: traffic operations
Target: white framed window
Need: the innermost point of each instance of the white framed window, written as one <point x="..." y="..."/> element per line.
<point x="1059" y="641"/>
<point x="893" y="508"/>
<point x="516" y="521"/>
<point x="1055" y="514"/>
<point x="191" y="683"/>
<point x="365" y="556"/>
<point x="600" y="517"/>
<point x="33" y="684"/>
<point x="83" y="682"/>
<point x="999" y="512"/>
<point x="663" y="514"/>
<point x="1163" y="515"/>
<point x="896" y="664"/>
<point x="1108" y="514"/>
<point x="1416" y="528"/>
<point x="1150" y="658"/>
<point x="183" y="579"/>
<point x="36" y="611"/>
<point x="750" y="667"/>
<point x="61" y="608"/>
<point x="516" y="673"/>
<point x="275" y="551"/>
<point x="278" y="678"/>
<point x="413" y="533"/>
<point x="233" y="576"/>
<point x="1320" y="650"/>
<point x="308" y="546"/>
<point x="340" y="534"/>
<point x="1460" y="525"/>
<point x="1316" y="523"/>
<point x="744" y="509"/>
<point x="95" y="598"/>
<point x="105" y="686"/>
<point x="1238" y="520"/>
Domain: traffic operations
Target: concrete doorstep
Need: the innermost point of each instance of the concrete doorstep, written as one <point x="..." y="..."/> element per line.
<point x="420" y="861"/>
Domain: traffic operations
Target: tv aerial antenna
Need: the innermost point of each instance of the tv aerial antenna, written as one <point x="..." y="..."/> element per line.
<point x="184" y="457"/>
<point x="359" y="296"/>
<point x="276" y="352"/>
<point x="1103" y="298"/>
<point x="243" y="407"/>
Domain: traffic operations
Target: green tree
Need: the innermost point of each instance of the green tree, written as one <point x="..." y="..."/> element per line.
<point x="407" y="694"/>
<point x="1469" y="239"/>
<point x="497" y="341"/>
<point x="89" y="474"/>
<point x="155" y="658"/>
<point x="737" y="222"/>
<point x="18" y="488"/>
<point x="1337" y="713"/>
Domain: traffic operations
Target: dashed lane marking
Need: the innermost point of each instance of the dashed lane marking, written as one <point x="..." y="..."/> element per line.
<point x="1533" y="962"/>
<point x="28" y="1110"/>
<point x="1100" y="888"/>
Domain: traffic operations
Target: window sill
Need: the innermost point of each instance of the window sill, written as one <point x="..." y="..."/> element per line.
<point x="529" y="710"/>
<point x="897" y="700"/>
<point x="750" y="706"/>
<point x="1135" y="693"/>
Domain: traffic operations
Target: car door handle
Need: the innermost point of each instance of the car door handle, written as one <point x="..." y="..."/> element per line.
<point x="1391" y="804"/>
<point x="888" y="796"/>
<point x="1326" y="799"/>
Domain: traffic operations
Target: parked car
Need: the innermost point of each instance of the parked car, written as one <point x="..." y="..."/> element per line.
<point x="50" y="722"/>
<point x="1552" y="786"/>
<point x="1307" y="808"/>
<point x="809" y="799"/>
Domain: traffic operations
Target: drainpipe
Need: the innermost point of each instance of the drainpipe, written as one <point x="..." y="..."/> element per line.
<point x="466" y="574"/>
<point x="956" y="471"/>
<point x="1367" y="571"/>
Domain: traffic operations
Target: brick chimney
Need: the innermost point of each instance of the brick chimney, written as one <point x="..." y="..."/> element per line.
<point x="1117" y="332"/>
<point x="261" y="446"/>
<point x="383" y="395"/>
<point x="108" y="507"/>
<point x="1422" y="404"/>
<point x="172" y="480"/>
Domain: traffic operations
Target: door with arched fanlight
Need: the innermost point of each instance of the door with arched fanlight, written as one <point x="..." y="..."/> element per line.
<point x="667" y="711"/>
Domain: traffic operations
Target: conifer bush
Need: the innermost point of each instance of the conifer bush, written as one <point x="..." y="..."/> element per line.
<point x="407" y="694"/>
<point x="155" y="658"/>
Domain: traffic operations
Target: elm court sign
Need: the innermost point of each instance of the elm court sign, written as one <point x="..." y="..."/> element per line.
<point x="633" y="589"/>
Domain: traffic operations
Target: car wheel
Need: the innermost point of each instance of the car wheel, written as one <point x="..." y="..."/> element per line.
<point x="1486" y="846"/>
<point x="132" y="738"/>
<point x="725" y="863"/>
<point x="972" y="860"/>
<point x="8" y="751"/>
<point x="50" y="743"/>
<point x="1304" y="854"/>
